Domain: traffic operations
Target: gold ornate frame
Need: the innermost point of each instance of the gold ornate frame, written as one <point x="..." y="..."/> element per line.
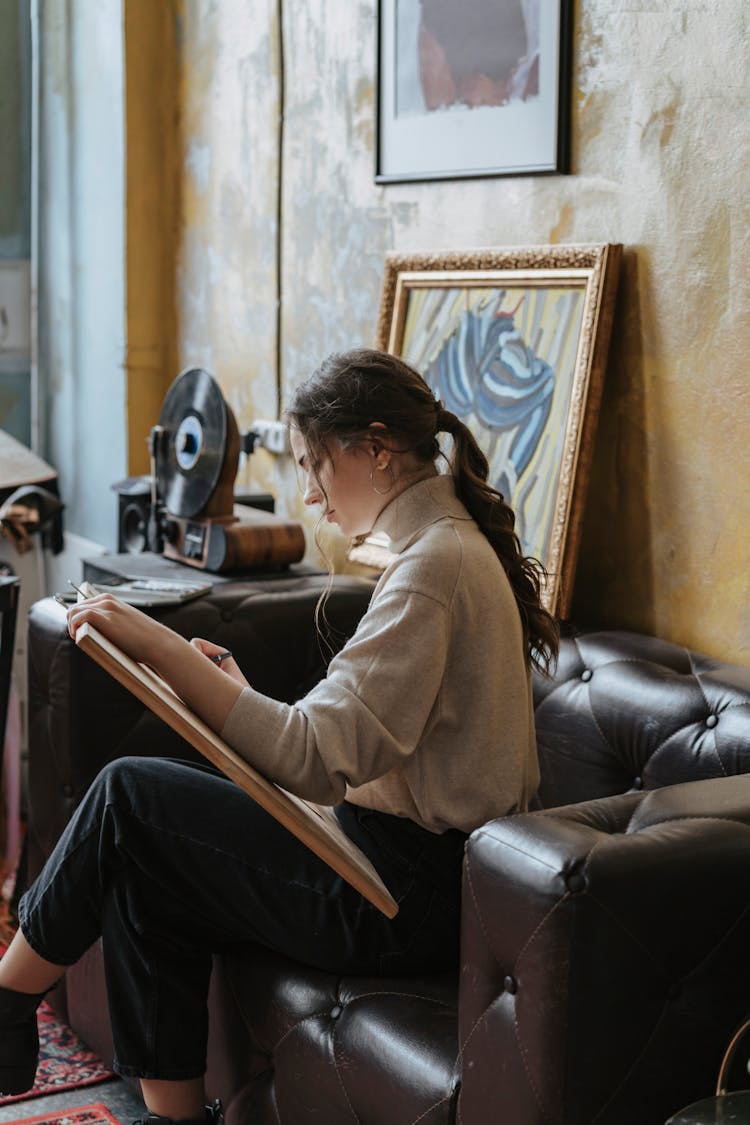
<point x="557" y="303"/>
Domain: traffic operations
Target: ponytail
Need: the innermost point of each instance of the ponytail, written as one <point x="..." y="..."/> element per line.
<point x="497" y="520"/>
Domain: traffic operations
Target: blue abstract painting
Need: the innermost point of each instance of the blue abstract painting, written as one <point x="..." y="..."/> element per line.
<point x="504" y="361"/>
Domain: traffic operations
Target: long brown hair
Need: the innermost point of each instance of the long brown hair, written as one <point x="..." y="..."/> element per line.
<point x="351" y="390"/>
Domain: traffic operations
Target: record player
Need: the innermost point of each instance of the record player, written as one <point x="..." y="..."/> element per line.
<point x="193" y="518"/>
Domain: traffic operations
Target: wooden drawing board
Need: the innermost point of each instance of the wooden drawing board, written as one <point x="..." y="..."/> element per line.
<point x="315" y="825"/>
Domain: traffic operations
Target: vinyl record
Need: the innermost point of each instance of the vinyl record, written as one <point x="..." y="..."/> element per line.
<point x="191" y="449"/>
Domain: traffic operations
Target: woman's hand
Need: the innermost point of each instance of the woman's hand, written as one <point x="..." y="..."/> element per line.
<point x="229" y="666"/>
<point x="200" y="683"/>
<point x="137" y="634"/>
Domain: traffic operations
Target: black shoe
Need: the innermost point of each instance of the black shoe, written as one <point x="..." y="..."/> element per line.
<point x="213" y="1116"/>
<point x="19" y="1040"/>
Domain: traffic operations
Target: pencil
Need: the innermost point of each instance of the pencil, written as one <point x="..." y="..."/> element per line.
<point x="78" y="590"/>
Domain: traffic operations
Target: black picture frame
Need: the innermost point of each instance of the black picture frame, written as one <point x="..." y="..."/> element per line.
<point x="507" y="124"/>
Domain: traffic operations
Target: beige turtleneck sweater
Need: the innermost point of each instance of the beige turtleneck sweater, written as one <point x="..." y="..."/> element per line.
<point x="426" y="712"/>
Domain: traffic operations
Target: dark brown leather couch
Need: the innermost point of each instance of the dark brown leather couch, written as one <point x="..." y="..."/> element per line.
<point x="605" y="936"/>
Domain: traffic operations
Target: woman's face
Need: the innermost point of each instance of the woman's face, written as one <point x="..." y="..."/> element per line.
<point x="346" y="483"/>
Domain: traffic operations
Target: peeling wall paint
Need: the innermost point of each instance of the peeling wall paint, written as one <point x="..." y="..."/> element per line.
<point x="661" y="100"/>
<point x="227" y="266"/>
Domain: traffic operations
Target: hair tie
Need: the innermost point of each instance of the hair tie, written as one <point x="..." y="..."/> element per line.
<point x="446" y="420"/>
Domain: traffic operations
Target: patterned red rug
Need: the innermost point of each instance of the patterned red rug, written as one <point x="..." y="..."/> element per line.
<point x="65" y="1063"/>
<point x="95" y="1114"/>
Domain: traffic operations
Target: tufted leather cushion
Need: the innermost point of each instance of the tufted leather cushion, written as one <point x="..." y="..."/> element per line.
<point x="623" y="929"/>
<point x="626" y="712"/>
<point x="316" y="1047"/>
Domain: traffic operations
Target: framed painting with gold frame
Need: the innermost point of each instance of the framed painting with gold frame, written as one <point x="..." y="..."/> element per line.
<point x="513" y="341"/>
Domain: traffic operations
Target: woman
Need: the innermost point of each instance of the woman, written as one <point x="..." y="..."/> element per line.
<point x="421" y="731"/>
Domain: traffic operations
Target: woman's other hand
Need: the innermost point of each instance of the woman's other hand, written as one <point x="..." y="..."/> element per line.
<point x="229" y="665"/>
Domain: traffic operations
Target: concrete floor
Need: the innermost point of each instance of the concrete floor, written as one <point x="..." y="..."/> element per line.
<point x="119" y="1098"/>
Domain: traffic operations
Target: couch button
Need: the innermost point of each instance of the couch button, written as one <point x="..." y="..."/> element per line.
<point x="586" y="675"/>
<point x="575" y="883"/>
<point x="510" y="985"/>
<point x="67" y="790"/>
<point x="226" y="615"/>
<point x="638" y="783"/>
<point x="711" y="720"/>
<point x="335" y="1011"/>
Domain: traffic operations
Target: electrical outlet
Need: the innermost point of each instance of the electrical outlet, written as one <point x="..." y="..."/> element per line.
<point x="273" y="436"/>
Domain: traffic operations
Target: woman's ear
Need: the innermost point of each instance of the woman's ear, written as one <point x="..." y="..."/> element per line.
<point x="375" y="441"/>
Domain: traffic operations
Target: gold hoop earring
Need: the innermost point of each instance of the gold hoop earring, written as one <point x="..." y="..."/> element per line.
<point x="391" y="486"/>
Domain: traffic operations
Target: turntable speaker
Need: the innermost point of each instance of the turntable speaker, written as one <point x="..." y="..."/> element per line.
<point x="195" y="519"/>
<point x="133" y="510"/>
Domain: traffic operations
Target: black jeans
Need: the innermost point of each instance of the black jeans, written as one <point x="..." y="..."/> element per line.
<point x="170" y="863"/>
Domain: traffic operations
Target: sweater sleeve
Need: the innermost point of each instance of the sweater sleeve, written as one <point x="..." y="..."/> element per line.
<point x="368" y="715"/>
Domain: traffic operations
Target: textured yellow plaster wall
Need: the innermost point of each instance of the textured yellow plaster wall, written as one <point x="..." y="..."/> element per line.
<point x="661" y="101"/>
<point x="226" y="267"/>
<point x="153" y="187"/>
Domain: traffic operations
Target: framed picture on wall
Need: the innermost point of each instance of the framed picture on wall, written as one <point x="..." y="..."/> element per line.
<point x="472" y="88"/>
<point x="515" y="343"/>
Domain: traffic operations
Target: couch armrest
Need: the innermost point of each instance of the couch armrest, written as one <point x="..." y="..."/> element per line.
<point x="80" y="718"/>
<point x="604" y="955"/>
